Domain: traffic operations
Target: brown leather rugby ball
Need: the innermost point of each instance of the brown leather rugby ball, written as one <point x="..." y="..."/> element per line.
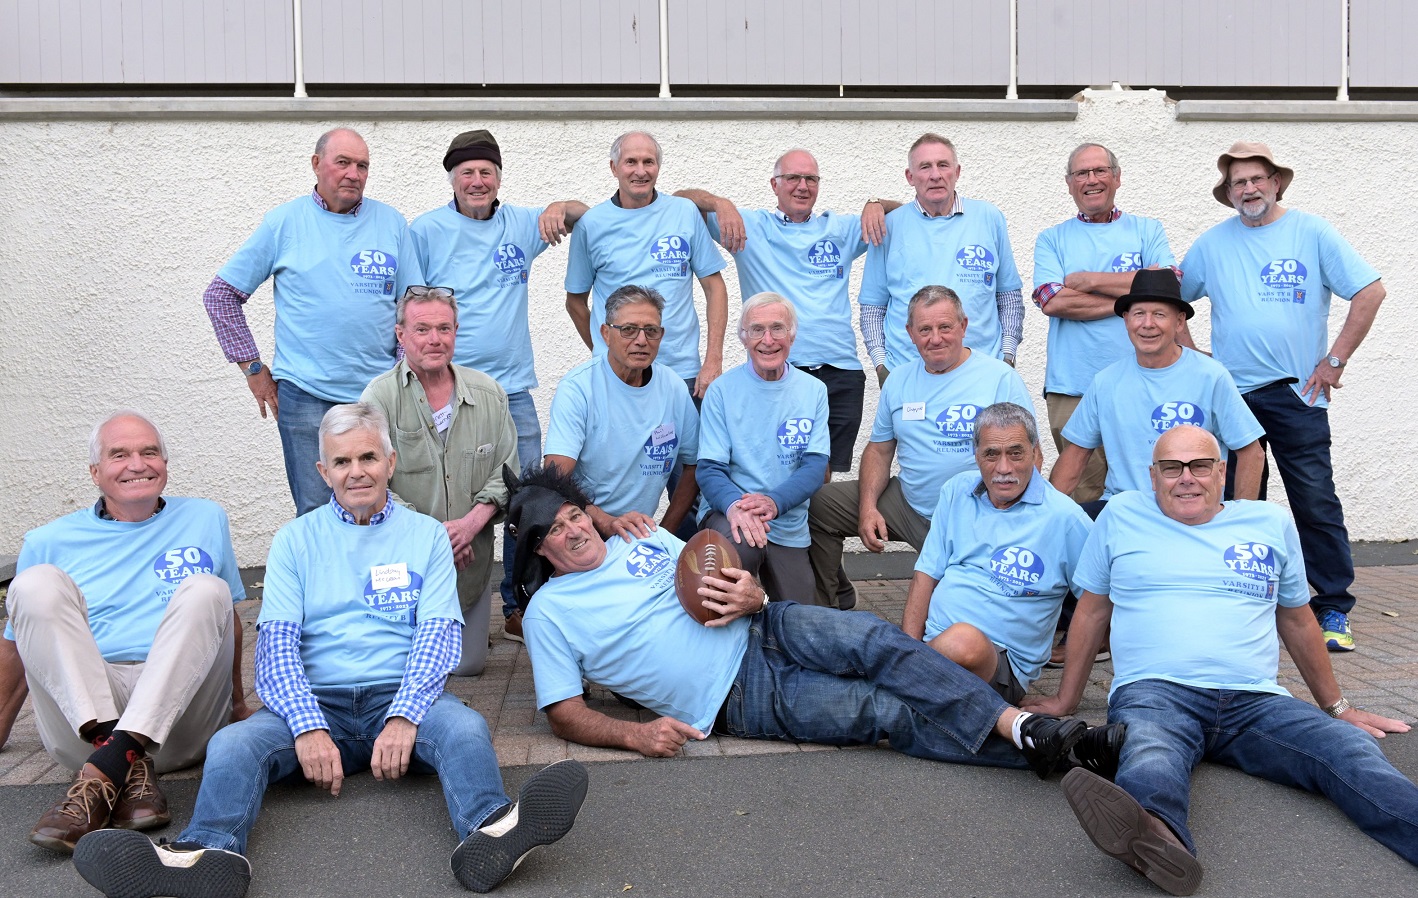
<point x="704" y="555"/>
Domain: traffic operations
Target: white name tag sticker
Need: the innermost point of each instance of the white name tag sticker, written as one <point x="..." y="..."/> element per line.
<point x="389" y="576"/>
<point x="662" y="434"/>
<point x="913" y="411"/>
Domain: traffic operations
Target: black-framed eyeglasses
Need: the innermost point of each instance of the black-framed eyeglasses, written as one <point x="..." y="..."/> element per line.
<point x="1172" y="468"/>
<point x="421" y="290"/>
<point x="631" y="331"/>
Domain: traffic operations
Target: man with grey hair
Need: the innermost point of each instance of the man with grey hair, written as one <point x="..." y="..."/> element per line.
<point x="357" y="635"/>
<point x="121" y="620"/>
<point x="453" y="432"/>
<point x="763" y="451"/>
<point x="794" y="251"/>
<point x="997" y="562"/>
<point x="483" y="249"/>
<point x="927" y="410"/>
<point x="640" y="237"/>
<point x="622" y="421"/>
<point x="1081" y="267"/>
<point x="340" y="261"/>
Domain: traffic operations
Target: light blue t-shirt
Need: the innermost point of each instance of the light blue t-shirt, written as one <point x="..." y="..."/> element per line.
<point x="625" y="439"/>
<point x="487" y="264"/>
<point x="129" y="571"/>
<point x="1270" y="288"/>
<point x="1195" y="604"/>
<point x="621" y="626"/>
<point x="1080" y="349"/>
<point x="762" y="429"/>
<point x="664" y="245"/>
<point x="809" y="262"/>
<point x="1006" y="571"/>
<point x="1129" y="407"/>
<point x="969" y="253"/>
<point x="337" y="280"/>
<point x="358" y="593"/>
<point x="932" y="419"/>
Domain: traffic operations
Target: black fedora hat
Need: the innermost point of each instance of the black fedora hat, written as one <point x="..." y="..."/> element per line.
<point x="1153" y="285"/>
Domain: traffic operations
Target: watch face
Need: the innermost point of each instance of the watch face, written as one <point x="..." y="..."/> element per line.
<point x="254" y="368"/>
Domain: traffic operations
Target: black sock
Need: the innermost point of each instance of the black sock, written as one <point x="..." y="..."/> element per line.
<point x="116" y="755"/>
<point x="97" y="734"/>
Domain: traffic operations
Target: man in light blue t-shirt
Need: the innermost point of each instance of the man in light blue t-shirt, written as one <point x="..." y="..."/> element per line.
<point x="807" y="256"/>
<point x="941" y="238"/>
<point x="1270" y="272"/>
<point x="359" y="629"/>
<point x="620" y="423"/>
<point x="340" y="262"/>
<point x="640" y="237"/>
<point x="483" y="249"/>
<point x="1002" y="548"/>
<point x="122" y="632"/>
<point x="763" y="451"/>
<point x="924" y="419"/>
<point x="1162" y="385"/>
<point x="1156" y="562"/>
<point x="1081" y="267"/>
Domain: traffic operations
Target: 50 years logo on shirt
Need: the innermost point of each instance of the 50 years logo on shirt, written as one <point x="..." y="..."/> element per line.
<point x="375" y="265"/>
<point x="825" y="259"/>
<point x="648" y="561"/>
<point x="1284" y="280"/>
<point x="512" y="262"/>
<point x="672" y="253"/>
<point x="1254" y="560"/>
<point x="975" y="258"/>
<point x="1017" y="570"/>
<point x="392" y="588"/>
<point x="1174" y="414"/>
<point x="794" y="435"/>
<point x="176" y="565"/>
<point x="1125" y="262"/>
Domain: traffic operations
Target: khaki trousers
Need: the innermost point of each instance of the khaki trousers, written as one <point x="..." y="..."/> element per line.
<point x="177" y="698"/>
<point x="833" y="516"/>
<point x="1090" y="485"/>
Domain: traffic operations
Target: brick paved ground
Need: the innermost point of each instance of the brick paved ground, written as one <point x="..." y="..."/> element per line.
<point x="1381" y="676"/>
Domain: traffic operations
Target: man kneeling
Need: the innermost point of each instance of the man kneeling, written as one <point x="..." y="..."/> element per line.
<point x="359" y="629"/>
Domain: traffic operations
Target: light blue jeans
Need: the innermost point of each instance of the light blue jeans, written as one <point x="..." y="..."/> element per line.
<point x="243" y="758"/>
<point x="299" y="425"/>
<point x="529" y="449"/>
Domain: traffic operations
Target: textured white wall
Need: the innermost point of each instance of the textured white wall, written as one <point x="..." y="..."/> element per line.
<point x="114" y="228"/>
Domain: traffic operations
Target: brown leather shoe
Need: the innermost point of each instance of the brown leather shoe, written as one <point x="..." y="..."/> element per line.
<point x="141" y="804"/>
<point x="1123" y="829"/>
<point x="512" y="627"/>
<point x="84" y="809"/>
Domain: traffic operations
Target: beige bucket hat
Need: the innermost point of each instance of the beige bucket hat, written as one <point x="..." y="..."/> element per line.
<point x="1247" y="149"/>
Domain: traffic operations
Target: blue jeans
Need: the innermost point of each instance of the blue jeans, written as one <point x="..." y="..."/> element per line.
<point x="529" y="449"/>
<point x="1298" y="436"/>
<point x="299" y="426"/>
<point x="1172" y="728"/>
<point x="244" y="757"/>
<point x="814" y="674"/>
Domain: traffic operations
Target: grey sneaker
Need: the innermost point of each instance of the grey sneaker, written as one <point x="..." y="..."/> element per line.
<point x="122" y="863"/>
<point x="545" y="811"/>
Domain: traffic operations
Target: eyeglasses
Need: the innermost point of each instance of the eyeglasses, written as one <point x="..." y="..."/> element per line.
<point x="1083" y="173"/>
<point x="420" y="290"/>
<point x="795" y="180"/>
<point x="631" y="331"/>
<point x="756" y="331"/>
<point x="1243" y="183"/>
<point x="1171" y="468"/>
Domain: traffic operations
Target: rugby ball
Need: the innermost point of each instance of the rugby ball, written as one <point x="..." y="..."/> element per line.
<point x="706" y="553"/>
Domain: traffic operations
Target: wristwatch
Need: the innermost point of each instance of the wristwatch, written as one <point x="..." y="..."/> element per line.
<point x="873" y="199"/>
<point x="254" y="368"/>
<point x="1338" y="707"/>
<point x="1334" y="361"/>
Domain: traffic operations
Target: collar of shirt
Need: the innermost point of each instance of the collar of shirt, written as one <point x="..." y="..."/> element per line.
<point x="101" y="509"/>
<point x="1112" y="217"/>
<point x="615" y="198"/>
<point x="783" y="217"/>
<point x="453" y="204"/>
<point x="376" y="519"/>
<point x="320" y="201"/>
<point x="1033" y="493"/>
<point x="957" y="209"/>
<point x="461" y="391"/>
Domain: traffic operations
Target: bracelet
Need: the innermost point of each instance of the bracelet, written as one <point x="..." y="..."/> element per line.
<point x="1338" y="707"/>
<point x="765" y="601"/>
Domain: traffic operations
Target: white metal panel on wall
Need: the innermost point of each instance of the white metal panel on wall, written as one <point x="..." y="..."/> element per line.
<point x="1381" y="43"/>
<point x="960" y="42"/>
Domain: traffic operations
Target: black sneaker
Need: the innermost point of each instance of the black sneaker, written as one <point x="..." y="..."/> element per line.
<point x="1099" y="749"/>
<point x="545" y="810"/>
<point x="123" y="863"/>
<point x="1052" y="737"/>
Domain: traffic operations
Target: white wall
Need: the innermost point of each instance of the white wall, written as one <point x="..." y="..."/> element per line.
<point x="113" y="228"/>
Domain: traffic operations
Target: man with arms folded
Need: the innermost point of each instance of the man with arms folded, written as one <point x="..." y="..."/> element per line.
<point x="453" y="432"/>
<point x="121" y="619"/>
<point x="622" y="420"/>
<point x="1081" y="267"/>
<point x="1163" y="385"/>
<point x="640" y="237"/>
<point x="763" y="451"/>
<point x="1154" y="565"/>
<point x="927" y="410"/>
<point x="941" y="238"/>
<point x="608" y="612"/>
<point x="1270" y="272"/>
<point x="340" y="262"/>
<point x="483" y="249"/>
<point x="358" y="631"/>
